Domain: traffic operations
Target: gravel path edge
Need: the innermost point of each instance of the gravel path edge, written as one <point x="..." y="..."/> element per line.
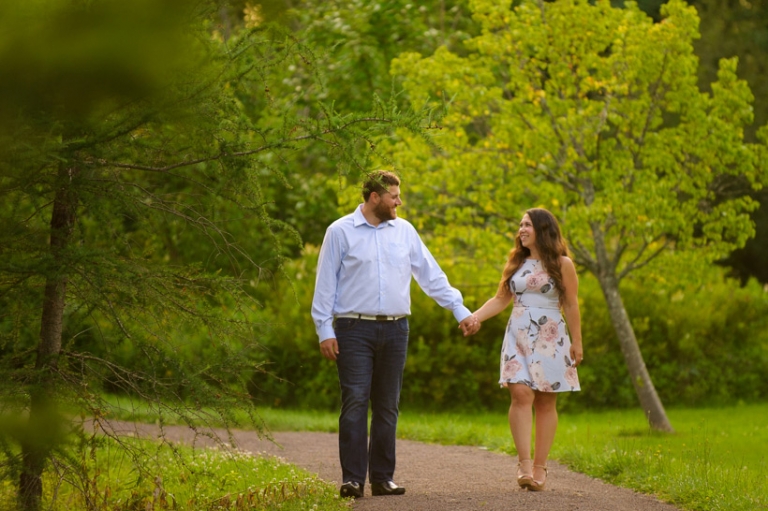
<point x="436" y="477"/>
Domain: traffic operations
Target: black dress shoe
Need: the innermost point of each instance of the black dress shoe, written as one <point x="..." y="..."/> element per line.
<point x="387" y="488"/>
<point x="351" y="489"/>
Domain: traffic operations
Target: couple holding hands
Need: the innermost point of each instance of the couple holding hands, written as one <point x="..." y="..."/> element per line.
<point x="361" y="307"/>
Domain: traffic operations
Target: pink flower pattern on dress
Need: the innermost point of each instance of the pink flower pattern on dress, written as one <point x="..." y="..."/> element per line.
<point x="536" y="347"/>
<point x="545" y="348"/>
<point x="539" y="377"/>
<point x="524" y="348"/>
<point x="511" y="368"/>
<point x="549" y="332"/>
<point x="571" y="376"/>
<point x="536" y="281"/>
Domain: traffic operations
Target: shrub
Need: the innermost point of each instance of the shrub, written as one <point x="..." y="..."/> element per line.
<point x="704" y="340"/>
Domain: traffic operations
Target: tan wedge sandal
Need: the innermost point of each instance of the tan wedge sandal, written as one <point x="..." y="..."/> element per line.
<point x="539" y="485"/>
<point x="524" y="478"/>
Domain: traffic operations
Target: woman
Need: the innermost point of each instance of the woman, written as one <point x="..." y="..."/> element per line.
<point x="538" y="357"/>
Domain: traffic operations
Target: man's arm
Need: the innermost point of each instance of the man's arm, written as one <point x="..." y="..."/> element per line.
<point x="434" y="282"/>
<point x="326" y="283"/>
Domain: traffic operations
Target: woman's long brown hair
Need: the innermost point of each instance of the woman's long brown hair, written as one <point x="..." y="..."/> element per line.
<point x="550" y="244"/>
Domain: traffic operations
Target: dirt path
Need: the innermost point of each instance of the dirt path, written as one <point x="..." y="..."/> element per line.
<point x="437" y="478"/>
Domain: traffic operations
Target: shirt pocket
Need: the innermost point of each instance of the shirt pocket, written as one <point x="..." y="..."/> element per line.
<point x="397" y="258"/>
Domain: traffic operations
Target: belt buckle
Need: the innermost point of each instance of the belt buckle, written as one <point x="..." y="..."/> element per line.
<point x="382" y="318"/>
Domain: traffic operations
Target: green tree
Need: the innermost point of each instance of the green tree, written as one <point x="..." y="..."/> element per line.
<point x="595" y="113"/>
<point x="134" y="150"/>
<point x="740" y="28"/>
<point x="354" y="43"/>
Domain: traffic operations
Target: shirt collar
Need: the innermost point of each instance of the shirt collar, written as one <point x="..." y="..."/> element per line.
<point x="359" y="219"/>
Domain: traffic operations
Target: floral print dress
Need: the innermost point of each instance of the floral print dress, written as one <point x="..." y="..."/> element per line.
<point x="537" y="347"/>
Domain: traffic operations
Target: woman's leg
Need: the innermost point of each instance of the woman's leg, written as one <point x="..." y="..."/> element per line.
<point x="545" y="405"/>
<point x="521" y="418"/>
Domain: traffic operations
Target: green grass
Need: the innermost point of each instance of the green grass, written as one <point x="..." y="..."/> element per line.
<point x="108" y="477"/>
<point x="127" y="409"/>
<point x="142" y="475"/>
<point x="716" y="460"/>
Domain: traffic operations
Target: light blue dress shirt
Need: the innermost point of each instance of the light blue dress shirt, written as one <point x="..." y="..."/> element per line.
<point x="364" y="269"/>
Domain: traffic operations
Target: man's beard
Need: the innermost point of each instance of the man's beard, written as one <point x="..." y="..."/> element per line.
<point x="384" y="212"/>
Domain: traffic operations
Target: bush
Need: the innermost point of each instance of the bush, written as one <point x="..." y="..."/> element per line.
<point x="295" y="374"/>
<point x="704" y="342"/>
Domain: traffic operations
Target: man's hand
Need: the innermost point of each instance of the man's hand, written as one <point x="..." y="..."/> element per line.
<point x="329" y="348"/>
<point x="470" y="325"/>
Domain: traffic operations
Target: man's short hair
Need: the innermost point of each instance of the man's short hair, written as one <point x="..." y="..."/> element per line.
<point x="379" y="181"/>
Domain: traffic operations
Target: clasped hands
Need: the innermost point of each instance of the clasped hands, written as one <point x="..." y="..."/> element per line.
<point x="470" y="325"/>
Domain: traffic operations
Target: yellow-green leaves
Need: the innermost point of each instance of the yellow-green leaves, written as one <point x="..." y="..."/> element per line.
<point x="591" y="111"/>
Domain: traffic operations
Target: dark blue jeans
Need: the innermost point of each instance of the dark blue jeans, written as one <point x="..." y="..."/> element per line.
<point x="370" y="364"/>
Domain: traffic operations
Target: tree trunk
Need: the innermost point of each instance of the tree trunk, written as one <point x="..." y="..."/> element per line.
<point x="646" y="392"/>
<point x="44" y="421"/>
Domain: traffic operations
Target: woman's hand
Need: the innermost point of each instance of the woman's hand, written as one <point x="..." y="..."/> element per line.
<point x="577" y="353"/>
<point x="470" y="325"/>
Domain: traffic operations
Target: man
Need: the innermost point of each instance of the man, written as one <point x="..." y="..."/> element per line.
<point x="360" y="308"/>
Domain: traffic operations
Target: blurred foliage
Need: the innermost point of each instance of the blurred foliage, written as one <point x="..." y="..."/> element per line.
<point x="364" y="46"/>
<point x="203" y="143"/>
<point x="740" y="28"/>
<point x="702" y="333"/>
<point x="593" y="112"/>
<point x="609" y="132"/>
<point x="354" y="43"/>
<point x="365" y="36"/>
<point x="130" y="474"/>
<point x="294" y="372"/>
<point x="360" y="39"/>
<point x="142" y="154"/>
